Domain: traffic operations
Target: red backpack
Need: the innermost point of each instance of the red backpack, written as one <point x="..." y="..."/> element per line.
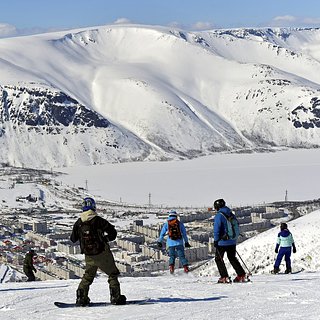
<point x="174" y="229"/>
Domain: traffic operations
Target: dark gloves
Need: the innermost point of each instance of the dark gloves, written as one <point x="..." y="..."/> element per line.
<point x="294" y="250"/>
<point x="215" y="244"/>
<point x="187" y="245"/>
<point x="112" y="233"/>
<point x="159" y="244"/>
<point x="277" y="248"/>
<point x="34" y="269"/>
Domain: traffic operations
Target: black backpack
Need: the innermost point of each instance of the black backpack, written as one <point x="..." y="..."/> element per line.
<point x="91" y="238"/>
<point x="174" y="229"/>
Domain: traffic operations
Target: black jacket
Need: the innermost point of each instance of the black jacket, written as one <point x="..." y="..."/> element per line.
<point x="105" y="230"/>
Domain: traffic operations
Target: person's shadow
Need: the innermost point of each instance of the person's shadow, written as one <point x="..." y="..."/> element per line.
<point x="169" y="300"/>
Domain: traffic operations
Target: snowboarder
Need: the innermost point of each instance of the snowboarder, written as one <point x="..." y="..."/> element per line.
<point x="28" y="267"/>
<point x="177" y="239"/>
<point x="94" y="233"/>
<point x="285" y="242"/>
<point x="226" y="244"/>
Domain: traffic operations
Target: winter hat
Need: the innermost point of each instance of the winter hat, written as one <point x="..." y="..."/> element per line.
<point x="172" y="213"/>
<point x="283" y="226"/>
<point x="88" y="204"/>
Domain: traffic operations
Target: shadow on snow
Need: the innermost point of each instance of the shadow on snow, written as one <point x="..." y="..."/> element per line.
<point x="36" y="288"/>
<point x="170" y="300"/>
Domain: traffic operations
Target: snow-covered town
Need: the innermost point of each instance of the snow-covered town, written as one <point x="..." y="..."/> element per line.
<point x="42" y="212"/>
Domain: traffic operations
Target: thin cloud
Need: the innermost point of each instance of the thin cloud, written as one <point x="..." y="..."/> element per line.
<point x="292" y="21"/>
<point x="123" y="21"/>
<point x="200" y="25"/>
<point x="7" y="30"/>
<point x="176" y="24"/>
<point x="310" y="21"/>
<point x="286" y="18"/>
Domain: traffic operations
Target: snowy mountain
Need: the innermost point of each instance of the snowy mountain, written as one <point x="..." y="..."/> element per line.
<point x="132" y="92"/>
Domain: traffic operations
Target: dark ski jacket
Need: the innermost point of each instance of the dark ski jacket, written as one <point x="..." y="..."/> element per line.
<point x="28" y="261"/>
<point x="105" y="230"/>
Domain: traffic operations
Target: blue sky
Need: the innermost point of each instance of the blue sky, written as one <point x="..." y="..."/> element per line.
<point x="31" y="16"/>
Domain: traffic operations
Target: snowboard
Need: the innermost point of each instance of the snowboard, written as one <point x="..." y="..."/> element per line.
<point x="99" y="304"/>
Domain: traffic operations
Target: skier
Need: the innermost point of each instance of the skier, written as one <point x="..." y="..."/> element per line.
<point x="285" y="242"/>
<point x="177" y="236"/>
<point x="28" y="267"/>
<point x="223" y="243"/>
<point x="94" y="233"/>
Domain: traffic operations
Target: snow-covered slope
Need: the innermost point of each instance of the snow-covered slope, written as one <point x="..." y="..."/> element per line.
<point x="258" y="252"/>
<point x="181" y="297"/>
<point x="293" y="296"/>
<point x="125" y="93"/>
<point x="7" y="274"/>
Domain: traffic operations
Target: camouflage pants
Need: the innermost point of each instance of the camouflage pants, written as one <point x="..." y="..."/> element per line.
<point x="105" y="262"/>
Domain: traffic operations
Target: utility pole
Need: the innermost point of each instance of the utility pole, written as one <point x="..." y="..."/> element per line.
<point x="86" y="185"/>
<point x="149" y="200"/>
<point x="286" y="196"/>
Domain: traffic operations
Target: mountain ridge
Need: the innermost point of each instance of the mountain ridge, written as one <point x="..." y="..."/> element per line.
<point x="168" y="93"/>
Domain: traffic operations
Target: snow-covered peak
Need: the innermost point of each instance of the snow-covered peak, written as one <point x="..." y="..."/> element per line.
<point x="177" y="94"/>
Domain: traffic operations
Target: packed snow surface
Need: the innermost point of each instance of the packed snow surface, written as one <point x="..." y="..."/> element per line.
<point x="268" y="297"/>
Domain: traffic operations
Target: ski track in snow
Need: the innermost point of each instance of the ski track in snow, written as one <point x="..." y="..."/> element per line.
<point x="267" y="297"/>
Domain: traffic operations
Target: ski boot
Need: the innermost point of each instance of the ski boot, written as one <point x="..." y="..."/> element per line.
<point x="171" y="268"/>
<point x="186" y="269"/>
<point x="116" y="297"/>
<point x="276" y="270"/>
<point x="224" y="280"/>
<point x="288" y="270"/>
<point x="121" y="300"/>
<point x="242" y="278"/>
<point x="82" y="299"/>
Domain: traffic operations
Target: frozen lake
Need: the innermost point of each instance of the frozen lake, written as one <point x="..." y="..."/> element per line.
<point x="240" y="179"/>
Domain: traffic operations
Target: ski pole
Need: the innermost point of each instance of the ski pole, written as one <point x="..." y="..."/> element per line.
<point x="250" y="273"/>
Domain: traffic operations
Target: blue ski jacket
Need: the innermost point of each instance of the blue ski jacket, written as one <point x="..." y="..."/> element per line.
<point x="220" y="227"/>
<point x="170" y="242"/>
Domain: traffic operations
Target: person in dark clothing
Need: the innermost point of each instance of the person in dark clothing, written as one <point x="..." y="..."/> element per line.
<point x="28" y="267"/>
<point x="285" y="242"/>
<point x="224" y="244"/>
<point x="94" y="233"/>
